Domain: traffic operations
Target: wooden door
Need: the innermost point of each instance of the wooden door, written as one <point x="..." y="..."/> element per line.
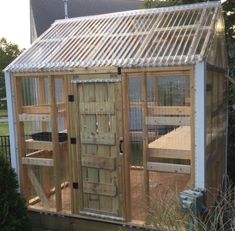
<point x="99" y="133"/>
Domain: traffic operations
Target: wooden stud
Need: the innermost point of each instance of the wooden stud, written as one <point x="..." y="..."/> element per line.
<point x="55" y="144"/>
<point x="145" y="139"/>
<point x="164" y="120"/>
<point x="126" y="134"/>
<point x="72" y="148"/>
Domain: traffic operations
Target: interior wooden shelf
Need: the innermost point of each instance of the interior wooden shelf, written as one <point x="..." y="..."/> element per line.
<point x="173" y="145"/>
<point x="176" y="142"/>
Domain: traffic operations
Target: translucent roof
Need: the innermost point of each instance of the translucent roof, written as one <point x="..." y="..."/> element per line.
<point x="154" y="37"/>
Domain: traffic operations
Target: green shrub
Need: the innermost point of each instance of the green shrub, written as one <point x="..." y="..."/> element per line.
<point x="13" y="212"/>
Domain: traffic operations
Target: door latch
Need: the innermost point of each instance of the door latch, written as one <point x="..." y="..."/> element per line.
<point x="121" y="146"/>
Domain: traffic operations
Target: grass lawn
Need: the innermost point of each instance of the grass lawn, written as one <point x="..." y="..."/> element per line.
<point x="4" y="131"/>
<point x="3" y="112"/>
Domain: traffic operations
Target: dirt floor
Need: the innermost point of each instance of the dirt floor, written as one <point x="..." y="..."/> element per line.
<point x="161" y="187"/>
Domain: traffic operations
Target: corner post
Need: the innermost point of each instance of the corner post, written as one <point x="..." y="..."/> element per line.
<point x="200" y="123"/>
<point x="12" y="122"/>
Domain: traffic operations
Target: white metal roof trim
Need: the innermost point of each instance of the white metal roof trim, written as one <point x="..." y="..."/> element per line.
<point x="130" y="39"/>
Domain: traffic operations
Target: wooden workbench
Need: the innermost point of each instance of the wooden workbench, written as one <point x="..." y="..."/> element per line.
<point x="174" y="145"/>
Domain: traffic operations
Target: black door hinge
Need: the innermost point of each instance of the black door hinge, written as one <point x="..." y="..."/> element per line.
<point x="119" y="70"/>
<point x="75" y="185"/>
<point x="73" y="140"/>
<point x="71" y="98"/>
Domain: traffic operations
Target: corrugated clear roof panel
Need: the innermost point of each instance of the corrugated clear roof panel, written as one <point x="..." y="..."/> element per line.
<point x="154" y="37"/>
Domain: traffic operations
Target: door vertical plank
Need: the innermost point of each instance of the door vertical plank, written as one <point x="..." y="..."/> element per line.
<point x="102" y="125"/>
<point x="92" y="174"/>
<point x="118" y="127"/>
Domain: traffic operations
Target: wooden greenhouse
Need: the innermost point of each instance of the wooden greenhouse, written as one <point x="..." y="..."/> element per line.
<point x="110" y="112"/>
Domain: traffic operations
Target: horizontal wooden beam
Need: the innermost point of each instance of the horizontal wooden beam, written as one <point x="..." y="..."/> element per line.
<point x="163" y="110"/>
<point x="158" y="71"/>
<point x="100" y="162"/>
<point x="169" y="110"/>
<point x="33" y="144"/>
<point x="100" y="138"/>
<point x="38" y="161"/>
<point x="165" y="167"/>
<point x="100" y="189"/>
<point x="168" y="120"/>
<point x="41" y="145"/>
<point x="169" y="153"/>
<point x="41" y="109"/>
<point x="96" y="108"/>
<point x="34" y="117"/>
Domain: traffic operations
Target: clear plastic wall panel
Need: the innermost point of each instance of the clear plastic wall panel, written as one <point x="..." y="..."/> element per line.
<point x="159" y="110"/>
<point x="169" y="135"/>
<point x="136" y="127"/>
<point x="59" y="90"/>
<point x="136" y="147"/>
<point x="30" y="91"/>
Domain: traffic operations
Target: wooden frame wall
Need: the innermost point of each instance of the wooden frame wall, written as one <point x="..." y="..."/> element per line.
<point x="74" y="161"/>
<point x="162" y="71"/>
<point x="43" y="113"/>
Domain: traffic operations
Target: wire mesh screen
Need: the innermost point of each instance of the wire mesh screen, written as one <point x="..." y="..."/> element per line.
<point x="168" y="116"/>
